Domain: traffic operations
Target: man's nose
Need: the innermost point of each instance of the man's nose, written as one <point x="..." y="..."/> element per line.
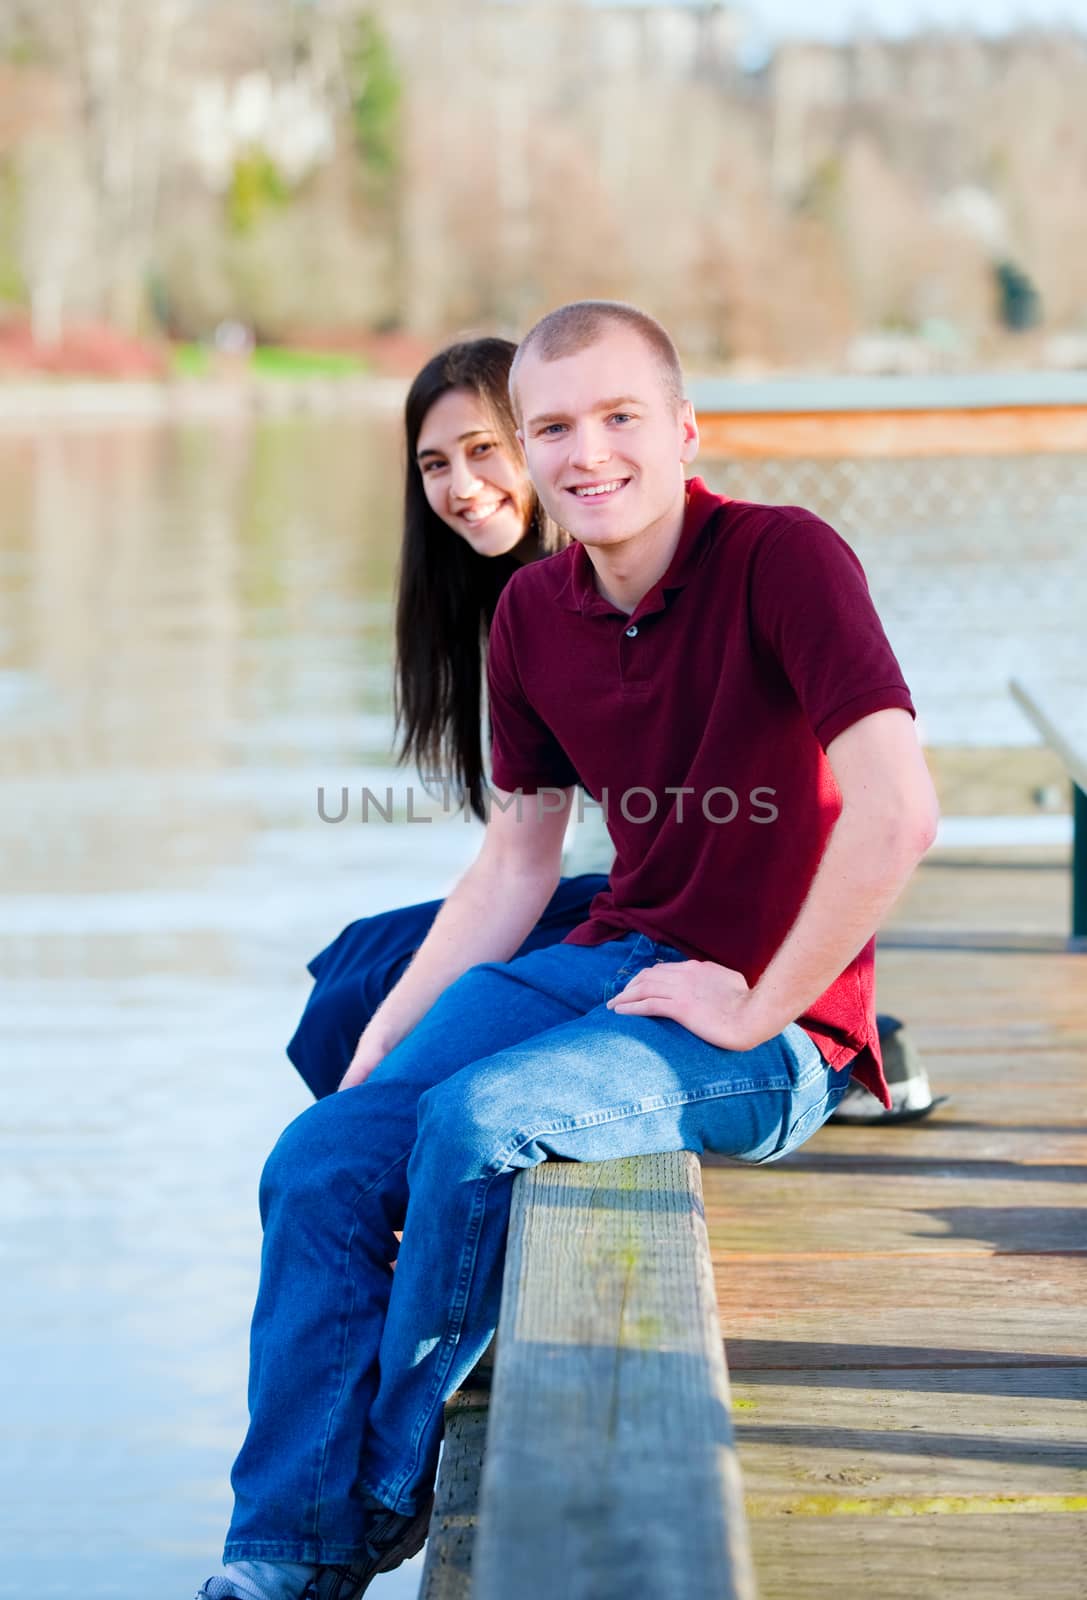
<point x="590" y="446"/>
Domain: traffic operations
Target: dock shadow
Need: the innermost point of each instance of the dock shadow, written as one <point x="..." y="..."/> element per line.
<point x="876" y="1164"/>
<point x="915" y="1441"/>
<point x="918" y="1368"/>
<point x="1016" y="1230"/>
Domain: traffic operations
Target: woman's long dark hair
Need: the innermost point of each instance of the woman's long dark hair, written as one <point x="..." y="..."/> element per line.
<point x="447" y="592"/>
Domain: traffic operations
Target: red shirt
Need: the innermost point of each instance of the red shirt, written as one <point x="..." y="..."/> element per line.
<point x="735" y="672"/>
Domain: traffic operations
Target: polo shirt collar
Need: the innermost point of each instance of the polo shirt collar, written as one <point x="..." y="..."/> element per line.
<point x="579" y="592"/>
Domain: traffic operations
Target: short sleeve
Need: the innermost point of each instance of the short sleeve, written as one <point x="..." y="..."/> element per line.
<point x="525" y="754"/>
<point x="811" y="607"/>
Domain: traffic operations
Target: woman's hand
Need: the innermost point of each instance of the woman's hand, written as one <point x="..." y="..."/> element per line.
<point x="711" y="1001"/>
<point x="368" y="1055"/>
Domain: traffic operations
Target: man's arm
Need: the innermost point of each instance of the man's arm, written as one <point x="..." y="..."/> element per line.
<point x="487" y="916"/>
<point x="887" y="822"/>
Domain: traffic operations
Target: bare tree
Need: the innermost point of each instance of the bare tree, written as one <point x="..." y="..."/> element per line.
<point x="114" y="59"/>
<point x="51" y="187"/>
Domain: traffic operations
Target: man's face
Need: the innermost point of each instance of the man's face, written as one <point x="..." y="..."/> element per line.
<point x="604" y="442"/>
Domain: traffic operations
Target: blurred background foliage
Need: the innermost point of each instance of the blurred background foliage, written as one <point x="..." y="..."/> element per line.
<point x="324" y="171"/>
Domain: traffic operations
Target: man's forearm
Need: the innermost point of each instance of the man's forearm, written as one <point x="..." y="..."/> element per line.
<point x="487" y="917"/>
<point x="864" y="869"/>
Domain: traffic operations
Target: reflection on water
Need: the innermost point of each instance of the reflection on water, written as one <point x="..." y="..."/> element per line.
<point x="194" y="635"/>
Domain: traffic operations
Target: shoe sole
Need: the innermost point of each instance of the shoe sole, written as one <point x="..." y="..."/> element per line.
<point x="410" y="1542"/>
<point x="858" y="1119"/>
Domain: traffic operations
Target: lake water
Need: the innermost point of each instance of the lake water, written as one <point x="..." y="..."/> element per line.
<point x="195" y="635"/>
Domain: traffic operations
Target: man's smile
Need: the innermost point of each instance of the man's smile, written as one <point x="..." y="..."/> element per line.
<point x="598" y="491"/>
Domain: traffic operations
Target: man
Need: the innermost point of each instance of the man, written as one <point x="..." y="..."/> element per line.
<point x="715" y="672"/>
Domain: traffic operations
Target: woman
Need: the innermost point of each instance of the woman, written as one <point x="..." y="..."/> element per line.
<point x="464" y="476"/>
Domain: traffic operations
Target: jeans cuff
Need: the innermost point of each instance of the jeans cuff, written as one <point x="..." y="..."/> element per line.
<point x="405" y="1503"/>
<point x="314" y="1555"/>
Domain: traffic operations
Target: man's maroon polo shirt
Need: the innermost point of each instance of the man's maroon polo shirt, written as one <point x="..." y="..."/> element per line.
<point x="755" y="650"/>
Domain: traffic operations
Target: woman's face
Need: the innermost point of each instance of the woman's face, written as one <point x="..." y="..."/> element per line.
<point x="469" y="479"/>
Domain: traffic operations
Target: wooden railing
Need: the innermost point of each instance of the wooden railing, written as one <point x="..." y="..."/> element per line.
<point x="609" y="1468"/>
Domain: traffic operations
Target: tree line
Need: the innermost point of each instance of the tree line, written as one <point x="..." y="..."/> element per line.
<point x="333" y="167"/>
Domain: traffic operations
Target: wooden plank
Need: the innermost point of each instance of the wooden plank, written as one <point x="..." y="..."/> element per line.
<point x="610" y="1467"/>
<point x="961" y="1465"/>
<point x="447" y="1568"/>
<point x="846" y="435"/>
<point x="873" y="1439"/>
<point x="988" y="1121"/>
<point x="921" y="1557"/>
<point x="1018" y="905"/>
<point x="913" y="1204"/>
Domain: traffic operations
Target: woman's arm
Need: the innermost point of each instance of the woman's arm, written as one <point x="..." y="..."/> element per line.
<point x="486" y="917"/>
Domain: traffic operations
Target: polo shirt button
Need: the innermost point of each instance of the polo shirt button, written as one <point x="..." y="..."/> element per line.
<point x="632" y="631"/>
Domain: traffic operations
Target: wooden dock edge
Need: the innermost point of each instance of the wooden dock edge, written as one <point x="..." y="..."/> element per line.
<point x="609" y="1466"/>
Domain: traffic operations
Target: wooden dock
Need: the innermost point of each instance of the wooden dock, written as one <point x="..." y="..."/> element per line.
<point x="906" y="1308"/>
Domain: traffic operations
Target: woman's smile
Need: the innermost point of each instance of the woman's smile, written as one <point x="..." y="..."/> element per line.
<point x="476" y="515"/>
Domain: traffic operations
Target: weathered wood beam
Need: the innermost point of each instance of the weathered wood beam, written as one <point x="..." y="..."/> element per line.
<point x="610" y="1467"/>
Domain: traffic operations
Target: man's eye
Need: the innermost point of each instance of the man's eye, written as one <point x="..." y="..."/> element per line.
<point x="554" y="427"/>
<point x="621" y="416"/>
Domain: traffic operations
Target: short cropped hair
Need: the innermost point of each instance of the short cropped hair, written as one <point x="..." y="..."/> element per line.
<point x="575" y="327"/>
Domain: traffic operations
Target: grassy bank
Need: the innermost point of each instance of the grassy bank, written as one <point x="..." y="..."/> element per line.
<point x="266" y="362"/>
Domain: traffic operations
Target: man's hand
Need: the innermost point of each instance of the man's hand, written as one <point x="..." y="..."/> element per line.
<point x="711" y="1001"/>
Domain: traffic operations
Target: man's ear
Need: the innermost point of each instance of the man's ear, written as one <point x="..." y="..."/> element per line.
<point x="689" y="429"/>
<point x="520" y="437"/>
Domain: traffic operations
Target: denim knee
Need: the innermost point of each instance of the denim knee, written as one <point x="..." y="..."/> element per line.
<point x="319" y="1156"/>
<point x="465" y="1125"/>
<point x="319" y="1185"/>
<point x="299" y="1159"/>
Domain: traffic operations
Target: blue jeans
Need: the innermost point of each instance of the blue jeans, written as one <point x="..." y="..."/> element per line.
<point x="516" y="1063"/>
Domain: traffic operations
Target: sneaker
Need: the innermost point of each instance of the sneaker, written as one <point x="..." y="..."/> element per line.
<point x="911" y="1094"/>
<point x="221" y="1588"/>
<point x="280" y="1576"/>
<point x="391" y="1539"/>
